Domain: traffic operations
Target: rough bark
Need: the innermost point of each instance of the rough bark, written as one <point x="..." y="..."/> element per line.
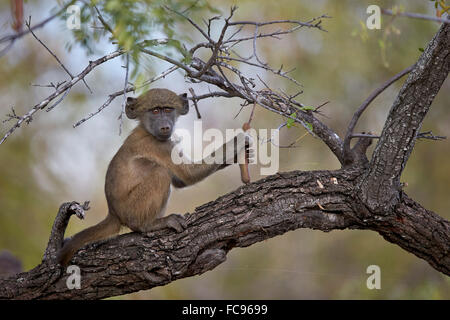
<point x="323" y="200"/>
<point x="379" y="188"/>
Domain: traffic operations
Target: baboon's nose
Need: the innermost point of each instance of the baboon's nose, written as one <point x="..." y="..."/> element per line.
<point x="165" y="129"/>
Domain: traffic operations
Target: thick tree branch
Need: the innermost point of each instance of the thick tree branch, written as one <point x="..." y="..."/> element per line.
<point x="59" y="226"/>
<point x="379" y="190"/>
<point x="322" y="200"/>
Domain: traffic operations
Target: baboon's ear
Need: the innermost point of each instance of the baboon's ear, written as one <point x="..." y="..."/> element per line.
<point x="184" y="104"/>
<point x="131" y="108"/>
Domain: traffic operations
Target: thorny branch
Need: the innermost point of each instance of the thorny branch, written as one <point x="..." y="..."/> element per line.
<point x="212" y="72"/>
<point x="61" y="90"/>
<point x="221" y="55"/>
<point x="28" y="24"/>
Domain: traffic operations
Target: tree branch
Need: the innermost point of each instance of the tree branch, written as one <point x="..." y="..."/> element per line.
<point x="61" y="90"/>
<point x="380" y="188"/>
<point x="415" y="16"/>
<point x="321" y="200"/>
<point x="348" y="157"/>
<point x="59" y="226"/>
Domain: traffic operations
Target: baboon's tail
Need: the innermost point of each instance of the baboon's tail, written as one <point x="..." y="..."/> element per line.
<point x="102" y="230"/>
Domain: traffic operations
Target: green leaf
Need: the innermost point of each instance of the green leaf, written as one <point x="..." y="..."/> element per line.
<point x="290" y="121"/>
<point x="139" y="84"/>
<point x="309" y="126"/>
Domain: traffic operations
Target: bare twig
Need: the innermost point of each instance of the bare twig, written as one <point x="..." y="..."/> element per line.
<point x="364" y="135"/>
<point x="28" y="24"/>
<point x="11" y="116"/>
<point x="299" y="25"/>
<point x="297" y="22"/>
<point x="103" y="106"/>
<point x="160" y="76"/>
<point x="265" y="67"/>
<point x="214" y="94"/>
<point x="423" y="135"/>
<point x="429" y="135"/>
<point x="200" y="71"/>
<point x="41" y="105"/>
<point x="216" y="46"/>
<point x="59" y="100"/>
<point x="194" y="100"/>
<point x="103" y="21"/>
<point x="116" y="94"/>
<point x="124" y="103"/>
<point x="196" y="26"/>
<point x="51" y="85"/>
<point x="414" y="15"/>
<point x="366" y="103"/>
<point x="166" y="58"/>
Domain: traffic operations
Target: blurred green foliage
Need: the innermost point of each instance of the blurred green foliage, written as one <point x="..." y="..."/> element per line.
<point x="132" y="23"/>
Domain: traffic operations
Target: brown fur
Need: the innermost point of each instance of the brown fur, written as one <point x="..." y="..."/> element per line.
<point x="138" y="181"/>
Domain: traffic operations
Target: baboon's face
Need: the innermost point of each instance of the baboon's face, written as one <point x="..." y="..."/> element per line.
<point x="159" y="122"/>
<point x="158" y="110"/>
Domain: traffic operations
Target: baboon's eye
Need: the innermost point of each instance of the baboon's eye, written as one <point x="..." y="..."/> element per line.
<point x="168" y="110"/>
<point x="155" y="110"/>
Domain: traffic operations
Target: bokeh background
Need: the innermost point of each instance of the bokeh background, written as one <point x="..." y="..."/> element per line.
<point x="49" y="162"/>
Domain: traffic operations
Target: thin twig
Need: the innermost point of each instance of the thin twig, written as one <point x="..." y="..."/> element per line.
<point x="28" y="24"/>
<point x="366" y="103"/>
<point x="161" y="75"/>
<point x="41" y="105"/>
<point x="252" y="113"/>
<point x="130" y="88"/>
<point x="364" y="135"/>
<point x="196" y="26"/>
<point x="194" y="100"/>
<point x="103" y="106"/>
<point x="103" y="21"/>
<point x="216" y="47"/>
<point x="415" y="16"/>
<point x="59" y="100"/>
<point x="429" y="135"/>
<point x="166" y="58"/>
<point x="262" y="66"/>
<point x="214" y="94"/>
<point x="124" y="103"/>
